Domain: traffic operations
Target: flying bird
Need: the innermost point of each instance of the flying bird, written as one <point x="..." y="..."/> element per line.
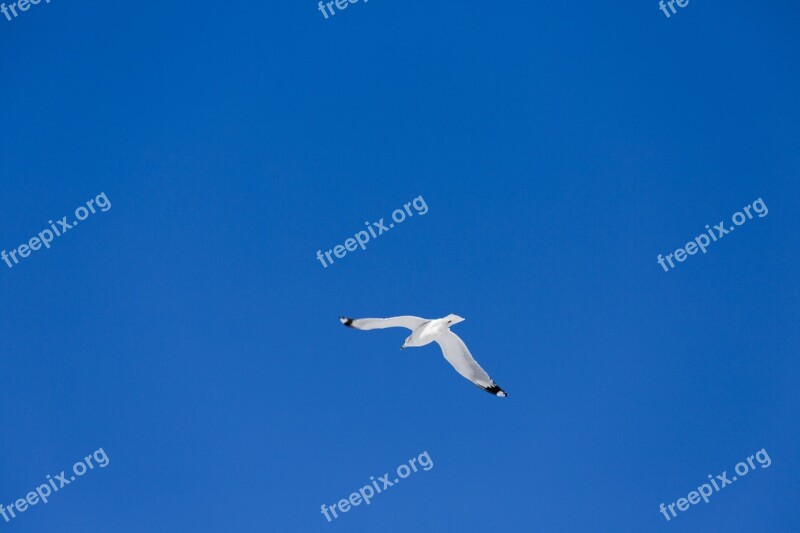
<point x="425" y="331"/>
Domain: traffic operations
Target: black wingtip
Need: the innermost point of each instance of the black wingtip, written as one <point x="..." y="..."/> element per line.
<point x="497" y="391"/>
<point x="346" y="321"/>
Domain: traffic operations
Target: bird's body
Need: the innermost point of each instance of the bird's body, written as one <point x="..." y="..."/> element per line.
<point x="427" y="333"/>
<point x="423" y="332"/>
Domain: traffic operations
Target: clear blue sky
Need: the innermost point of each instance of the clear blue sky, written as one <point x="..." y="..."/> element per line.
<point x="191" y="332"/>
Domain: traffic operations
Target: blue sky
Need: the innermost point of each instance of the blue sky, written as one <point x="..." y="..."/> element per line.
<point x="191" y="333"/>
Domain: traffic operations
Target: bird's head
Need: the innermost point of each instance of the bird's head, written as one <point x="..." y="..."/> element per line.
<point x="453" y="319"/>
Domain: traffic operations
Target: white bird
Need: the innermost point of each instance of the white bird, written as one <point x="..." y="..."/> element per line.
<point x="425" y="331"/>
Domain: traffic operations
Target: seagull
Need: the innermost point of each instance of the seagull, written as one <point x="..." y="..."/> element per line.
<point x="425" y="331"/>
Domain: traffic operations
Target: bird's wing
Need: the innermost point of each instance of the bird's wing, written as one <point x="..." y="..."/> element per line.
<point x="457" y="354"/>
<point x="410" y="322"/>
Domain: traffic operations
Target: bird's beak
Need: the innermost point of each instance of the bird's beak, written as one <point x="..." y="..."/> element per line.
<point x="403" y="347"/>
